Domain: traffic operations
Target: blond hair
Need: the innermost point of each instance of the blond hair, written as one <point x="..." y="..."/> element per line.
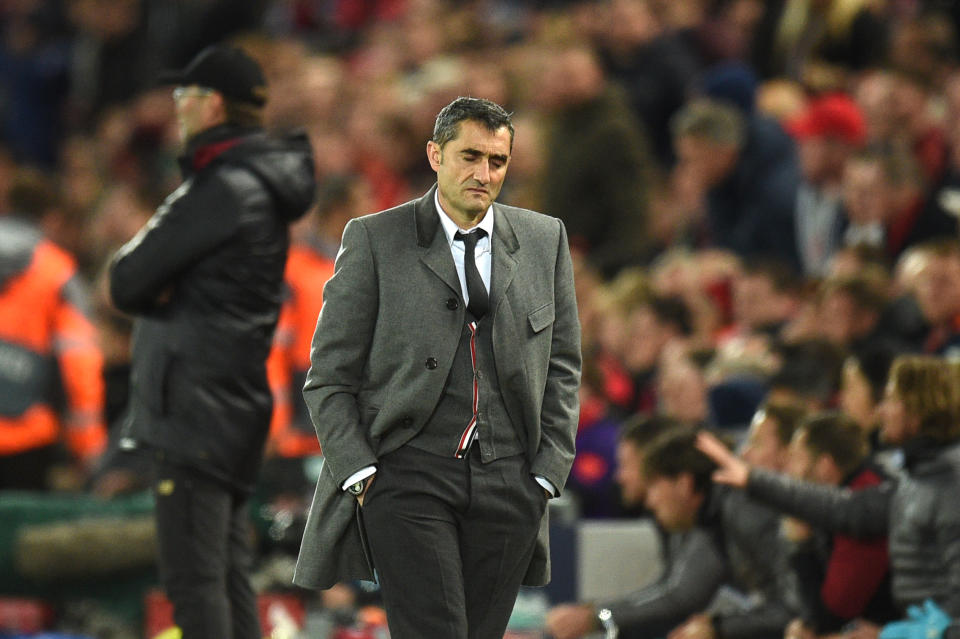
<point x="929" y="388"/>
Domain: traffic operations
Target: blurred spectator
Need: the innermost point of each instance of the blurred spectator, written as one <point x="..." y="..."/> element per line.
<point x="654" y="66"/>
<point x="925" y="43"/>
<point x="766" y="295"/>
<point x="781" y="99"/>
<point x="771" y="430"/>
<point x="755" y="601"/>
<point x="597" y="160"/>
<point x="865" y="376"/>
<point x="702" y="280"/>
<point x="636" y="438"/>
<point x="903" y="191"/>
<point x="749" y="194"/>
<point x="677" y="479"/>
<point x="820" y="41"/>
<point x="850" y="314"/>
<point x="914" y="122"/>
<point x="592" y="475"/>
<point x="34" y="73"/>
<point x="309" y="265"/>
<point x="52" y="372"/>
<point x="809" y="373"/>
<point x="652" y="326"/>
<point x="919" y="512"/>
<point x="839" y="578"/>
<point x="607" y="346"/>
<point x="681" y="389"/>
<point x="865" y="202"/>
<point x="827" y="133"/>
<point x="938" y="296"/>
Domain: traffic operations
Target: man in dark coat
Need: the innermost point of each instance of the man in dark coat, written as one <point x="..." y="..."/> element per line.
<point x="204" y="279"/>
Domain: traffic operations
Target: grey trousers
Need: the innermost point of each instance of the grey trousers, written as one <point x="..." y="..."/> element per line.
<point x="451" y="540"/>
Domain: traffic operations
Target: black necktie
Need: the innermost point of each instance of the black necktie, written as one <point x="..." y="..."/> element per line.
<point x="479" y="302"/>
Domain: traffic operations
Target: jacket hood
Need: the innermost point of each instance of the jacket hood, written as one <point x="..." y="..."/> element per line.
<point x="285" y="164"/>
<point x="18" y="240"/>
<point x="926" y="457"/>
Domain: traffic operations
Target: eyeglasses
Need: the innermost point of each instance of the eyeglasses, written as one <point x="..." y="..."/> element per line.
<point x="192" y="91"/>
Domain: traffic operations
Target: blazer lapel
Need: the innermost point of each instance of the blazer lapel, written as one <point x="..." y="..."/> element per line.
<point x="504" y="267"/>
<point x="434" y="250"/>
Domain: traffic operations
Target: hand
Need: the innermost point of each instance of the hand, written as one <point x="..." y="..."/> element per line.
<point x="796" y="629"/>
<point x="695" y="627"/>
<point x="571" y="621"/>
<point x="862" y="630"/>
<point x="339" y="597"/>
<point x="732" y="470"/>
<point x="365" y="489"/>
<point x="795" y="530"/>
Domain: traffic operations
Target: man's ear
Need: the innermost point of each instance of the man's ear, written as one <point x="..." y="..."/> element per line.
<point x="434" y="154"/>
<point x="218" y="107"/>
<point x="685" y="480"/>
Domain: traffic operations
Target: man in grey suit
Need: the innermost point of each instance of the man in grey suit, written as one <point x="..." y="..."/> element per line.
<point x="443" y="387"/>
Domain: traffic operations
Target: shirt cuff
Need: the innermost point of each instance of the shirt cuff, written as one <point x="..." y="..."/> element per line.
<point x="543" y="481"/>
<point x="361" y="474"/>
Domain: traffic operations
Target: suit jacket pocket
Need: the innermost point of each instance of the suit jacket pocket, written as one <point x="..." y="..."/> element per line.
<point x="542" y="317"/>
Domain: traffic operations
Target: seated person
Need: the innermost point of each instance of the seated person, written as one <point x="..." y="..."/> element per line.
<point x="919" y="513"/>
<point x="677" y="481"/>
<point x="754" y="602"/>
<point x="838" y="578"/>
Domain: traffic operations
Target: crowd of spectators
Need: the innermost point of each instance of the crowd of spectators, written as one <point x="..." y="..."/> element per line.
<point x="762" y="199"/>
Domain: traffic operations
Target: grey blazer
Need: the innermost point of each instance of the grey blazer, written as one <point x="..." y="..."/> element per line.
<point x="385" y="342"/>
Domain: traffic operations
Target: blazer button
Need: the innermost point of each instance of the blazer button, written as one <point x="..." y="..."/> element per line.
<point x="453" y="303"/>
<point x="431" y="363"/>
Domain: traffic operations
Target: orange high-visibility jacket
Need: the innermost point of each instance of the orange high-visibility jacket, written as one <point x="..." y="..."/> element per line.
<point x="308" y="269"/>
<point x="51" y="366"/>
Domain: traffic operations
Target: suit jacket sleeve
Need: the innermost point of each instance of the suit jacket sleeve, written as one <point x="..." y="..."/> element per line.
<point x="561" y="407"/>
<point x="338" y="355"/>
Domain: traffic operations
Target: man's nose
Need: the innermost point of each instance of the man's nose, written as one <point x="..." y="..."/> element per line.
<point x="482" y="173"/>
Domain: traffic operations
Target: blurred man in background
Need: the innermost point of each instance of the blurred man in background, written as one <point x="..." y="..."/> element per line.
<point x="205" y="279"/>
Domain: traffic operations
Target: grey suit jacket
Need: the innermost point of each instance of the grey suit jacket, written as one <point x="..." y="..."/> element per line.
<point x="386" y="313"/>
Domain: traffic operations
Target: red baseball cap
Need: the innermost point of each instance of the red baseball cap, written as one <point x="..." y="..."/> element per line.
<point x="831" y="116"/>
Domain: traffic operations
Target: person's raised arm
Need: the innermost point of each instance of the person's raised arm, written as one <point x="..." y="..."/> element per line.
<point x="731" y="470"/>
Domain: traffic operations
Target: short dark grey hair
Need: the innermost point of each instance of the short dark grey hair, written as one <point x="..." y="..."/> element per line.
<point x="490" y="114"/>
<point x="715" y="122"/>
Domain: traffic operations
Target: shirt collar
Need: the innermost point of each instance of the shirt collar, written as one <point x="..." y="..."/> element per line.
<point x="450" y="227"/>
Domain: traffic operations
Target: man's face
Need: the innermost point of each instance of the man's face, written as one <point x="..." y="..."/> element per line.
<point x="470" y="169"/>
<point x="800" y="461"/>
<point x="937" y="292"/>
<point x="755" y="300"/>
<point x="708" y="163"/>
<point x="673" y="501"/>
<point x="763" y="448"/>
<point x="863" y="192"/>
<point x="196" y="110"/>
<point x="822" y="159"/>
<point x="629" y="473"/>
<point x="896" y="426"/>
<point x="856" y="398"/>
<point x="838" y="318"/>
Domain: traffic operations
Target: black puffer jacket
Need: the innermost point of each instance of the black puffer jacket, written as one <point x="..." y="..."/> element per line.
<point x="205" y="278"/>
<point x="920" y="513"/>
